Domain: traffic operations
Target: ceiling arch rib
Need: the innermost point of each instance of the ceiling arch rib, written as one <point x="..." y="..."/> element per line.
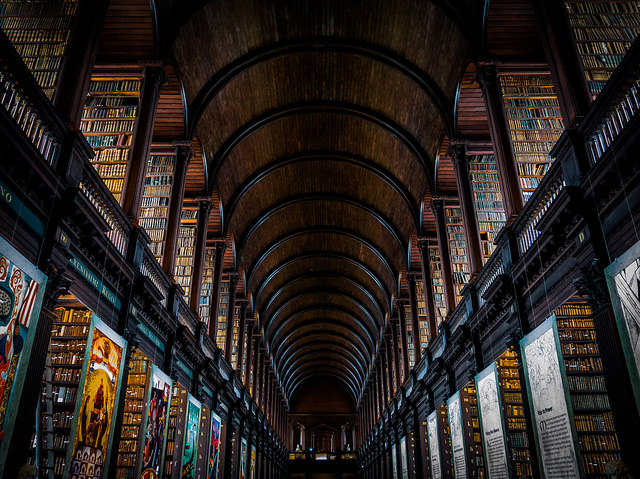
<point x="324" y="354"/>
<point x="322" y="373"/>
<point x="325" y="365"/>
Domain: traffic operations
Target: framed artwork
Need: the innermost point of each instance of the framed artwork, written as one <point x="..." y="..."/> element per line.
<point x="623" y="280"/>
<point x="22" y="288"/>
<point x="93" y="424"/>
<point x="191" y="432"/>
<point x="454" y="408"/>
<point x="252" y="470"/>
<point x="243" y="459"/>
<point x="434" y="445"/>
<point x="214" y="446"/>
<point x="157" y="421"/>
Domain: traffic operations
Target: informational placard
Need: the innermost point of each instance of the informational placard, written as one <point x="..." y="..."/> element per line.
<point x="404" y="465"/>
<point x="92" y="429"/>
<point x="549" y="403"/>
<point x="214" y="446"/>
<point x="157" y="422"/>
<point x="457" y="436"/>
<point x="492" y="423"/>
<point x="434" y="445"/>
<point x="623" y="279"/>
<point x="243" y="459"/>
<point x="191" y="432"/>
<point x="252" y="464"/>
<point x="394" y="461"/>
<point x="22" y="288"/>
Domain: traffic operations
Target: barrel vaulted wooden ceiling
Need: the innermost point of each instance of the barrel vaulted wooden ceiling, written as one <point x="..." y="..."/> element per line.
<point x="320" y="128"/>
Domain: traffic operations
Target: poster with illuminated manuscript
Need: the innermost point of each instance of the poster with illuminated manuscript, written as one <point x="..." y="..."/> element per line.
<point x="155" y="429"/>
<point x="191" y="433"/>
<point x="623" y="280"/>
<point x="93" y="422"/>
<point x="243" y="459"/>
<point x="252" y="470"/>
<point x="22" y="288"/>
<point x="214" y="446"/>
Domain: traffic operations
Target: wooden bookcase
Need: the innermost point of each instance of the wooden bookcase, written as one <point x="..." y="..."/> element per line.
<point x="589" y="399"/>
<point x="39" y="31"/>
<point x="175" y="432"/>
<point x="603" y="32"/>
<point x="185" y="248"/>
<point x="109" y="122"/>
<point x="223" y="305"/>
<point x="518" y="442"/>
<point x="457" y="249"/>
<point x="236" y="337"/>
<point x="421" y="301"/>
<point x="471" y="428"/>
<point x="410" y="336"/>
<point x="439" y="305"/>
<point x="488" y="201"/>
<point x="134" y="415"/>
<point x="535" y="124"/>
<point x="204" y="308"/>
<point x="155" y="199"/>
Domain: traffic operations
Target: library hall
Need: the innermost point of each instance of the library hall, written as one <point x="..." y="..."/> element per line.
<point x="319" y="239"/>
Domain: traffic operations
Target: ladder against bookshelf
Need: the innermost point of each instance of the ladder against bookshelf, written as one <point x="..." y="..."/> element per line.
<point x="108" y="123"/>
<point x="603" y="32"/>
<point x="488" y="200"/>
<point x="39" y="31"/>
<point x="204" y="308"/>
<point x="155" y="198"/>
<point x="439" y="305"/>
<point x="223" y="305"/>
<point x="185" y="248"/>
<point x="421" y="302"/>
<point x="535" y="124"/>
<point x="457" y="249"/>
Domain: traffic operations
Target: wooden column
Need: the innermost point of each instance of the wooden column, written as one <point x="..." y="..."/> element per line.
<point x="220" y="246"/>
<point x="394" y="350"/>
<point x="415" y="324"/>
<point x="183" y="156"/>
<point x="573" y="93"/>
<point x="402" y="321"/>
<point x="79" y="58"/>
<point x="487" y="76"/>
<point x="241" y="335"/>
<point x="154" y="77"/>
<point x="423" y="247"/>
<point x="445" y="257"/>
<point x="468" y="209"/>
<point x="198" y="254"/>
<point x="249" y="362"/>
<point x="231" y="306"/>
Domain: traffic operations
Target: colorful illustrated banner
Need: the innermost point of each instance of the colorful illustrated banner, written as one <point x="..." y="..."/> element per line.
<point x="549" y="402"/>
<point x="243" y="459"/>
<point x="191" y="432"/>
<point x="93" y="419"/>
<point x="252" y="471"/>
<point x="22" y="288"/>
<point x="404" y="464"/>
<point x="157" y="421"/>
<point x="434" y="445"/>
<point x="492" y="423"/>
<point x="394" y="461"/>
<point x="457" y="436"/>
<point x="623" y="279"/>
<point x="214" y="446"/>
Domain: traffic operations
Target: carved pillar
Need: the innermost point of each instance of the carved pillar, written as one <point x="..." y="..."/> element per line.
<point x="487" y="76"/>
<point x="221" y="245"/>
<point x="198" y="256"/>
<point x="402" y="320"/>
<point x="423" y="247"/>
<point x="415" y="324"/>
<point x="445" y="257"/>
<point x="231" y="310"/>
<point x="183" y="156"/>
<point x="468" y="209"/>
<point x="133" y="187"/>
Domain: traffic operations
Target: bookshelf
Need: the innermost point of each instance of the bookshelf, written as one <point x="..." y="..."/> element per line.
<point x="535" y="124"/>
<point x="488" y="201"/>
<point x="421" y="302"/>
<point x="471" y="425"/>
<point x="133" y="416"/>
<point x="410" y="338"/>
<point x="457" y="249"/>
<point x="236" y="336"/>
<point x="589" y="399"/>
<point x="221" y="333"/>
<point x="108" y="123"/>
<point x="175" y="432"/>
<point x="603" y="32"/>
<point x="437" y="283"/>
<point x="185" y="248"/>
<point x="155" y="199"/>
<point x="204" y="309"/>
<point x="39" y="31"/>
<point x="518" y="444"/>
<point x="63" y="369"/>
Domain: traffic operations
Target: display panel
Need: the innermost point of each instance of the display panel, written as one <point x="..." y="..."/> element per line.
<point x="243" y="459"/>
<point x="404" y="464"/>
<point x="252" y="471"/>
<point x="394" y="461"/>
<point x="214" y="446"/>
<point x="549" y="402"/>
<point x="434" y="445"/>
<point x="22" y="287"/>
<point x="191" y="432"/>
<point x="156" y="425"/>
<point x="623" y="279"/>
<point x="492" y="423"/>
<point x="457" y="436"/>
<point x="94" y="413"/>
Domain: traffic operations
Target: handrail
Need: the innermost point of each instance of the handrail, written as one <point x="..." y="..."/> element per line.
<point x="489" y="273"/>
<point x="23" y="98"/>
<point x="151" y="269"/>
<point x="186" y="317"/>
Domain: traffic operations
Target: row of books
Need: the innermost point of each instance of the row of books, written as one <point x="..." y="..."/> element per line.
<point x="107" y="126"/>
<point x="600" y="48"/>
<point x="590" y="401"/>
<point x="583" y="364"/>
<point x="154" y="196"/>
<point x="103" y="112"/>
<point x="536" y="124"/>
<point x="570" y="348"/>
<point x="620" y="7"/>
<point x="619" y="33"/>
<point x="110" y="170"/>
<point x="40" y="50"/>
<point x="586" y="383"/>
<point x="531" y="111"/>
<point x="36" y="36"/>
<point x="122" y="86"/>
<point x="52" y="63"/>
<point x="38" y="8"/>
<point x="112" y="101"/>
<point x="119" y="140"/>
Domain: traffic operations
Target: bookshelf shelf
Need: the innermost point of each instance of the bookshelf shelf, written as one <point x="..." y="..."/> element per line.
<point x="457" y="249"/>
<point x="185" y="248"/>
<point x="222" y="312"/>
<point x="421" y="302"/>
<point x="437" y="284"/>
<point x="204" y="308"/>
<point x="410" y="338"/>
